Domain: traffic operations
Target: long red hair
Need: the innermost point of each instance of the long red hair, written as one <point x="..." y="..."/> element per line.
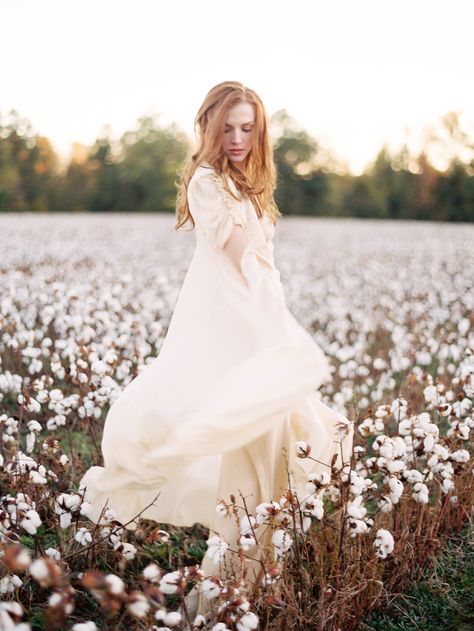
<point x="257" y="180"/>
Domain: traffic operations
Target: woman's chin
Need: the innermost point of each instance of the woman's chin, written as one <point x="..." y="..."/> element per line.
<point x="237" y="158"/>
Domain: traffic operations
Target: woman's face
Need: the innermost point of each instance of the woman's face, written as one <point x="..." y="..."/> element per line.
<point x="238" y="132"/>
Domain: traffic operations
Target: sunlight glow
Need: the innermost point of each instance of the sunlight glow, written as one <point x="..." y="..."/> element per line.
<point x="354" y="75"/>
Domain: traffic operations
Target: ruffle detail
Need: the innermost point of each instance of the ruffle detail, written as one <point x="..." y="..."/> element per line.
<point x="233" y="207"/>
<point x="214" y="210"/>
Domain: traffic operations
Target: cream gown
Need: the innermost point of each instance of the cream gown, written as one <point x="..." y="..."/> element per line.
<point x="234" y="382"/>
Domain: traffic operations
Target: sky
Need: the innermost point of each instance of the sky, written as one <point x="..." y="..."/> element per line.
<point x="354" y="74"/>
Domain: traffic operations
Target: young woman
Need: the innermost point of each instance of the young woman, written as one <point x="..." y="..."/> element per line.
<point x="236" y="378"/>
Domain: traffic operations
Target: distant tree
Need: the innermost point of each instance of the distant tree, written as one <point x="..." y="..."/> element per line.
<point x="358" y="200"/>
<point x="104" y="167"/>
<point x="302" y="185"/>
<point x="135" y="173"/>
<point x="426" y="203"/>
<point x="138" y="172"/>
<point x="73" y="191"/>
<point x="455" y="191"/>
<point x="28" y="166"/>
<point x="150" y="159"/>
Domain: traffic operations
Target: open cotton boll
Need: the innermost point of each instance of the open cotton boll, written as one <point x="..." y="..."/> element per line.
<point x="383" y="543"/>
<point x="282" y="542"/>
<point x="217" y="548"/>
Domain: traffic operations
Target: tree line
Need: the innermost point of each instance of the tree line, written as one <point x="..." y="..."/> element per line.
<point x="138" y="173"/>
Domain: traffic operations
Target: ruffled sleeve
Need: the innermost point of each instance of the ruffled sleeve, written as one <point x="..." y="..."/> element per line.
<point x="216" y="213"/>
<point x="214" y="210"/>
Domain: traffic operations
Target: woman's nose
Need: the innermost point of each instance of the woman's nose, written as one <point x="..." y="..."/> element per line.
<point x="236" y="137"/>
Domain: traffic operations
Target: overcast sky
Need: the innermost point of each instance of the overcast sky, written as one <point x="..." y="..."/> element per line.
<point x="354" y="73"/>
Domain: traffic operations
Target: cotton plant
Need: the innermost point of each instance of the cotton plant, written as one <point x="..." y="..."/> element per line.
<point x="68" y="345"/>
<point x="66" y="506"/>
<point x="383" y="543"/>
<point x="109" y="590"/>
<point x="419" y="438"/>
<point x="20" y="512"/>
<point x="277" y="515"/>
<point x="11" y="614"/>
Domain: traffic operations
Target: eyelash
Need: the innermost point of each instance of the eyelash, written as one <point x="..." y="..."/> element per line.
<point x="247" y="131"/>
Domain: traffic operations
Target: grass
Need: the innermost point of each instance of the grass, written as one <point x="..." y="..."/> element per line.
<point x="442" y="600"/>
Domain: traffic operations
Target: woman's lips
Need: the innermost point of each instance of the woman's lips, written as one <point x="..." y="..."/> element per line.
<point x="236" y="150"/>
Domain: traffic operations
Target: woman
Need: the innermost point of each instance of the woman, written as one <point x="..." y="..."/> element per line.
<point x="235" y="380"/>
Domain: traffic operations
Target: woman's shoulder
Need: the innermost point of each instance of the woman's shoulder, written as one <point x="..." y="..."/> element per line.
<point x="207" y="186"/>
<point x="207" y="174"/>
<point x="204" y="169"/>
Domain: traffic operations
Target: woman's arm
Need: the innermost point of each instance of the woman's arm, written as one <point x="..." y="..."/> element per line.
<point x="235" y="246"/>
<point x="220" y="217"/>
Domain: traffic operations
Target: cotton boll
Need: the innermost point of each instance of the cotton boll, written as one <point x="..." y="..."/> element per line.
<point x="266" y="511"/>
<point x="441" y="452"/>
<point x="31" y="522"/>
<point x="138" y="604"/>
<point x="447" y="485"/>
<point x="115" y="584"/>
<point x="247" y="622"/>
<point x="217" y="548"/>
<point x="357" y="526"/>
<point x="152" y="572"/>
<point x="282" y="542"/>
<point x="420" y="493"/>
<point x="172" y="618"/>
<point x="413" y="476"/>
<point x="199" y="622"/>
<point x="356" y="509"/>
<point x="83" y="536"/>
<point x="428" y="443"/>
<point x="85" y="508"/>
<point x="37" y="478"/>
<point x="223" y="509"/>
<point x="39" y="570"/>
<point x="9" y="583"/>
<point x="128" y="550"/>
<point x="314" y="507"/>
<point x="65" y="520"/>
<point x="461" y="408"/>
<point x="209" y="588"/>
<point x="383" y="543"/>
<point x="317" y="481"/>
<point x="385" y="504"/>
<point x="53" y="553"/>
<point x="461" y="455"/>
<point x="169" y="582"/>
<point x="367" y="427"/>
<point x="302" y="449"/>
<point x="33" y="406"/>
<point x="34" y="426"/>
<point x="357" y="483"/>
<point x="396" y="489"/>
<point x="431" y="394"/>
<point x="396" y="466"/>
<point x="247" y="540"/>
<point x="247" y="522"/>
<point x="303" y="524"/>
<point x="404" y="427"/>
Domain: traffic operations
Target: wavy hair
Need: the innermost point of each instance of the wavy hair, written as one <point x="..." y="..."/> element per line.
<point x="257" y="180"/>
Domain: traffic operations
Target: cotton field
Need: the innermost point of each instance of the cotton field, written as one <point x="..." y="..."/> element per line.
<point x="85" y="301"/>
